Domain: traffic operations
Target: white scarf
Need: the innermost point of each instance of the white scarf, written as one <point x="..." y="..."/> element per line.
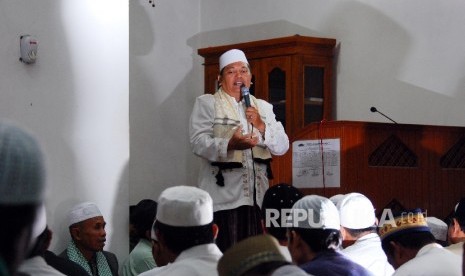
<point x="76" y="256"/>
<point x="224" y="125"/>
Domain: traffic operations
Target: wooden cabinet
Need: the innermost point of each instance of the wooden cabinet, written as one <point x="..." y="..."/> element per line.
<point x="294" y="74"/>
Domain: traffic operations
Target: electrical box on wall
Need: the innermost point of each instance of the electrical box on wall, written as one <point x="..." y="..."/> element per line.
<point x="28" y="48"/>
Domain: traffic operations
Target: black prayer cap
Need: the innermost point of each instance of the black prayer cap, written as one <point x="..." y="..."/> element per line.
<point x="281" y="196"/>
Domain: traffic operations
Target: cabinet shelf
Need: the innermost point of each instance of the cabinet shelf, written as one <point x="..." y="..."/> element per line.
<point x="313" y="101"/>
<point x="283" y="102"/>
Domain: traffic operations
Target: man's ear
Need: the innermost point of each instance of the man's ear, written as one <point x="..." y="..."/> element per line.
<point x="219" y="79"/>
<point x="456" y="226"/>
<point x="160" y="238"/>
<point x="395" y="248"/>
<point x="215" y="229"/>
<point x="75" y="233"/>
<point x="398" y="255"/>
<point x="344" y="233"/>
<point x="294" y="238"/>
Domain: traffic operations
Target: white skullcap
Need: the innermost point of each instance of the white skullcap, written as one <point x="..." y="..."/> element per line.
<point x="459" y="210"/>
<point x="185" y="206"/>
<point x="40" y="222"/>
<point x="83" y="211"/>
<point x="153" y="236"/>
<point x="39" y="226"/>
<point x="336" y="199"/>
<point x="438" y="228"/>
<point x="320" y="213"/>
<point x="356" y="211"/>
<point x="232" y="56"/>
<point x="21" y="167"/>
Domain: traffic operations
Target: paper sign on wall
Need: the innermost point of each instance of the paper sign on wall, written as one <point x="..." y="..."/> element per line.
<point x="311" y="168"/>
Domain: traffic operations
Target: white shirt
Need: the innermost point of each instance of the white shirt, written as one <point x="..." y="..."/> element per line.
<point x="367" y="252"/>
<point x="432" y="260"/>
<point x="37" y="266"/>
<point x="238" y="183"/>
<point x="200" y="260"/>
<point x="289" y="270"/>
<point x="456" y="248"/>
<point x="285" y="252"/>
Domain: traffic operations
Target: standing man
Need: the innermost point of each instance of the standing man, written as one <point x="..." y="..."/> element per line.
<point x="456" y="229"/>
<point x="88" y="236"/>
<point x="235" y="136"/>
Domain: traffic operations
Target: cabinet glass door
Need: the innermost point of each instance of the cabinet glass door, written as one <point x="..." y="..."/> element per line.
<point x="277" y="93"/>
<point x="313" y="94"/>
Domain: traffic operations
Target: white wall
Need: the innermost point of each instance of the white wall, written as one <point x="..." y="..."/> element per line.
<point x="166" y="75"/>
<point x="75" y="98"/>
<point x="404" y="57"/>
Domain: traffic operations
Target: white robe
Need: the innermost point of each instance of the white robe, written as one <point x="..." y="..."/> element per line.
<point x="367" y="252"/>
<point x="37" y="266"/>
<point x="432" y="260"/>
<point x="238" y="183"/>
<point x="456" y="248"/>
<point x="200" y="260"/>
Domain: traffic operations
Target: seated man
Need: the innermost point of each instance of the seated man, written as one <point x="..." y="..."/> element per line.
<point x="35" y="263"/>
<point x="257" y="255"/>
<point x="186" y="233"/>
<point x="359" y="234"/>
<point x="157" y="253"/>
<point x="141" y="259"/>
<point x="22" y="187"/>
<point x="88" y="236"/>
<point x="412" y="249"/>
<point x="439" y="229"/>
<point x="314" y="238"/>
<point x="456" y="230"/>
<point x="276" y="201"/>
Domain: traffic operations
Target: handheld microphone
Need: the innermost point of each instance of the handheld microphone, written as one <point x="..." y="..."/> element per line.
<point x="245" y="95"/>
<point x="373" y="109"/>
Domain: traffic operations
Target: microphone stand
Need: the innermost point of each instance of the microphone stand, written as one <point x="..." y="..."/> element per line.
<point x="373" y="109"/>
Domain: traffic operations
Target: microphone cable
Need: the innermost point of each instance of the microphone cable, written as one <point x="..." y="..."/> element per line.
<point x="320" y="134"/>
<point x="253" y="169"/>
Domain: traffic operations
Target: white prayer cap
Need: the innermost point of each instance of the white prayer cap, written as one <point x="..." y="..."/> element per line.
<point x="153" y="236"/>
<point x="336" y="199"/>
<point x="315" y="212"/>
<point x="39" y="226"/>
<point x="459" y="210"/>
<point x="40" y="222"/>
<point x="356" y="211"/>
<point x="83" y="211"/>
<point x="185" y="206"/>
<point x="232" y="56"/>
<point x="438" y="228"/>
<point x="22" y="176"/>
